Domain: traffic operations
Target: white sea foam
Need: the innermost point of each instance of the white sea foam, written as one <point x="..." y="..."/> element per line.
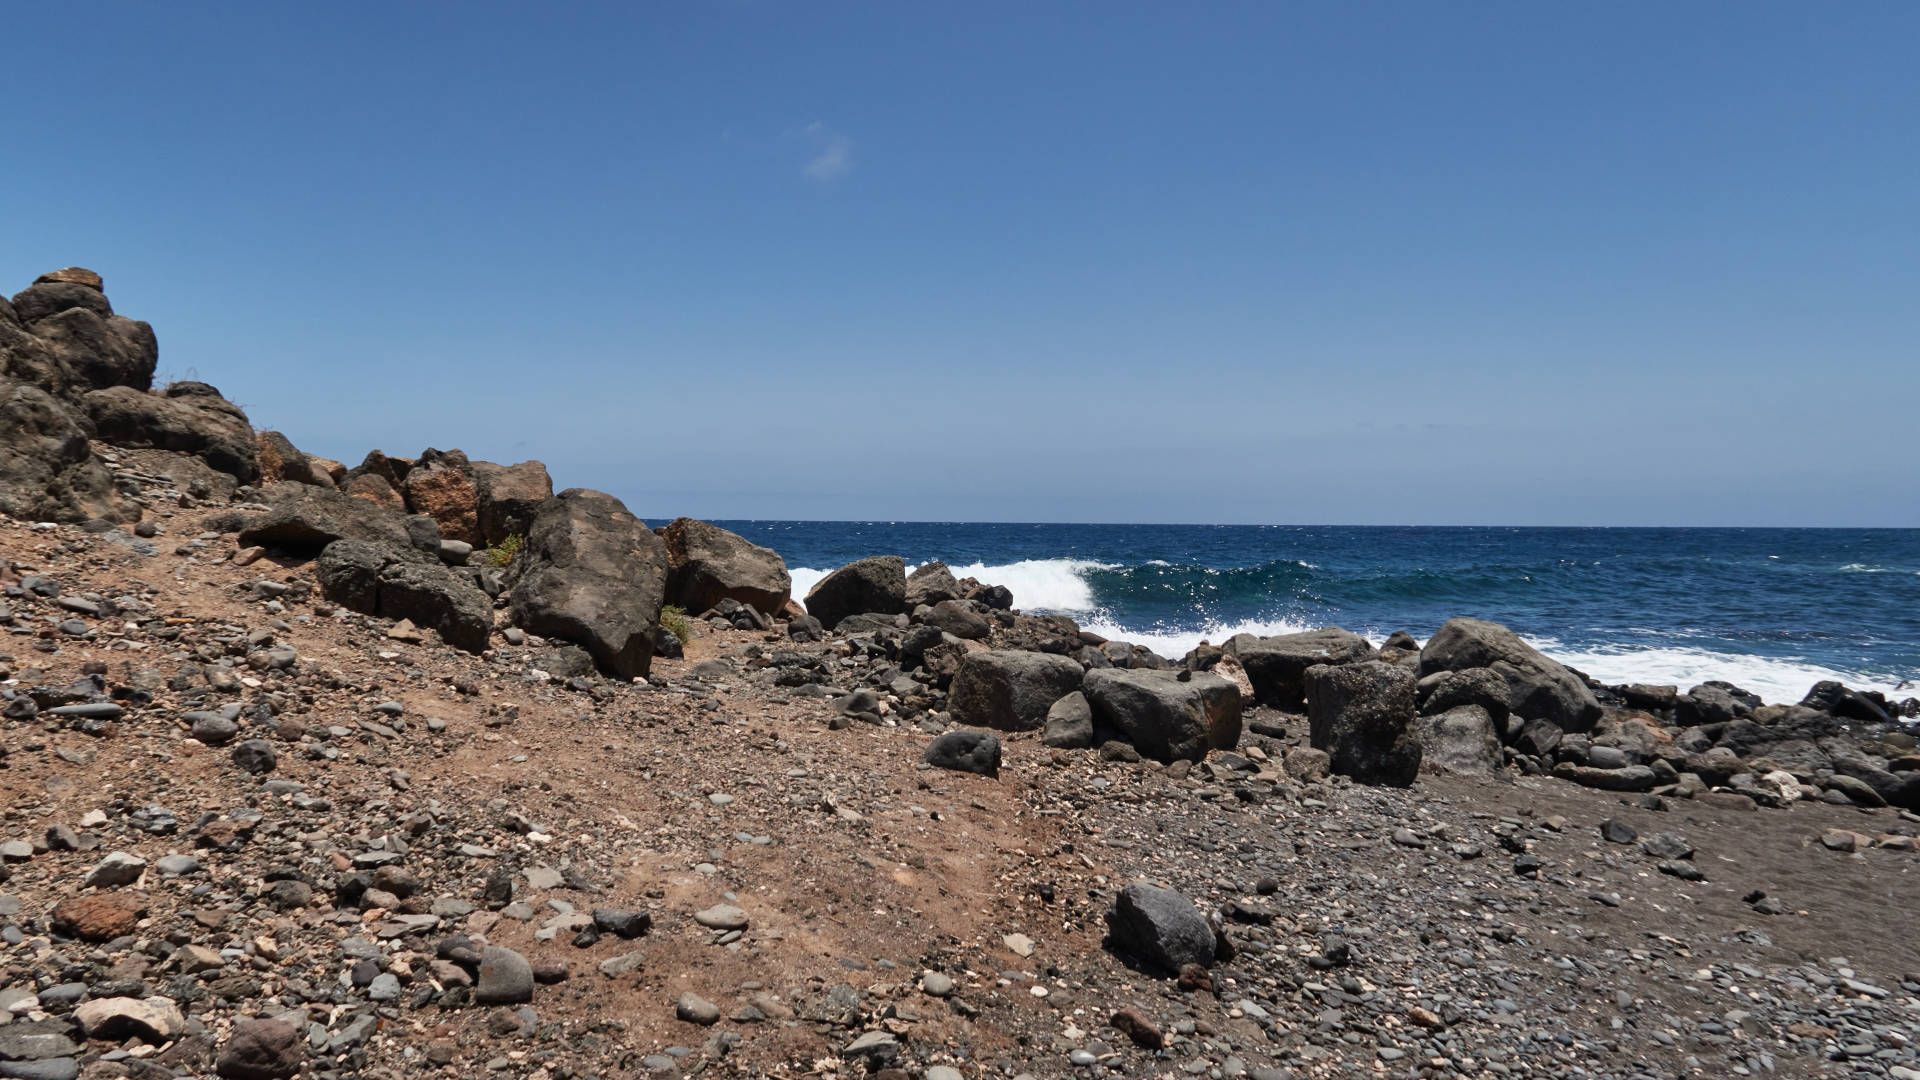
<point x="1037" y="584"/>
<point x="1174" y="644"/>
<point x="1778" y="680"/>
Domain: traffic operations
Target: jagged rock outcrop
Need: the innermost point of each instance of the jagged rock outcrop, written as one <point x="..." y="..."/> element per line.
<point x="80" y="343"/>
<point x="707" y="564"/>
<point x="593" y="574"/>
<point x="59" y="339"/>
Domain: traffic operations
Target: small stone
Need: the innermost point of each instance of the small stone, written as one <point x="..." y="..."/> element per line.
<point x="505" y="978"/>
<point x="695" y="1009"/>
<point x="1136" y="1026"/>
<point x="935" y="984"/>
<point x="116" y="870"/>
<point x="154" y="1019"/>
<point x="1618" y="832"/>
<point x="214" y="729"/>
<point x="626" y="924"/>
<point x="261" y="1050"/>
<point x="256" y="756"/>
<point x="721" y="917"/>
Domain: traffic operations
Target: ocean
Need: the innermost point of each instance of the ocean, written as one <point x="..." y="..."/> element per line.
<point x="1771" y="610"/>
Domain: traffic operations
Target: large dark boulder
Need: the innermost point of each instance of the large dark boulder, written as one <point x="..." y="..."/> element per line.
<point x="707" y="564"/>
<point x="1537" y="687"/>
<point x="1276" y="666"/>
<point x="509" y="495"/>
<point x="1165" y="717"/>
<point x="1361" y="715"/>
<point x="99" y="351"/>
<point x="1460" y="740"/>
<point x="186" y="418"/>
<point x="306" y="519"/>
<point x="47" y="469"/>
<point x="1010" y="690"/>
<point x="593" y="574"/>
<point x="400" y="584"/>
<point x="876" y="584"/>
<point x="1161" y="927"/>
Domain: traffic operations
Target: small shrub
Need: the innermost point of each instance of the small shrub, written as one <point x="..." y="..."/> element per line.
<point x="502" y="553"/>
<point x="675" y="619"/>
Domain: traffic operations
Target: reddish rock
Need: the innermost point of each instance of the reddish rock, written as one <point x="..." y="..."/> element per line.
<point x="100" y="916"/>
<point x="441" y="487"/>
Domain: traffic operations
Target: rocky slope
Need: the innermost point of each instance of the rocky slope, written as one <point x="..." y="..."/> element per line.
<point x="298" y="782"/>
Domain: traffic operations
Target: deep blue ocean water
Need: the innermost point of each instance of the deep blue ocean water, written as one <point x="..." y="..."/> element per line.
<point x="1773" y="610"/>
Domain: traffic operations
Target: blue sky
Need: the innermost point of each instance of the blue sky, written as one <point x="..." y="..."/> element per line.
<point x="1294" y="263"/>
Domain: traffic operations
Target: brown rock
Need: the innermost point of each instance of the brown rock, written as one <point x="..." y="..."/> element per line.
<point x="334" y="471"/>
<point x="1137" y="1027"/>
<point x="510" y="496"/>
<point x="100" y="916"/>
<point x="1845" y="840"/>
<point x="1195" y="977"/>
<point x="375" y="489"/>
<point x="261" y="1050"/>
<point x="441" y="487"/>
<point x="72" y="275"/>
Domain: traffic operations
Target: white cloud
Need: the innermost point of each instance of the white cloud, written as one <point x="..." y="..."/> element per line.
<point x="832" y="153"/>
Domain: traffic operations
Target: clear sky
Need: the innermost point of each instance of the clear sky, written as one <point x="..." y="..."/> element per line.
<point x="1643" y="263"/>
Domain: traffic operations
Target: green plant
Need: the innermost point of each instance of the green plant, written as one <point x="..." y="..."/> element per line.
<point x="502" y="553"/>
<point x="675" y="619"/>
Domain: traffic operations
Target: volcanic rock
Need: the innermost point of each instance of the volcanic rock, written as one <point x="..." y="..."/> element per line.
<point x="1009" y="689"/>
<point x="593" y="574"/>
<point x="707" y="564"/>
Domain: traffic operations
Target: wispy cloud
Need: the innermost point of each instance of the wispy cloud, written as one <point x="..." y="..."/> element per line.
<point x="830" y="155"/>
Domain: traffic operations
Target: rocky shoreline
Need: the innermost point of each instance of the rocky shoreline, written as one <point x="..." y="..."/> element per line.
<point x="399" y="770"/>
